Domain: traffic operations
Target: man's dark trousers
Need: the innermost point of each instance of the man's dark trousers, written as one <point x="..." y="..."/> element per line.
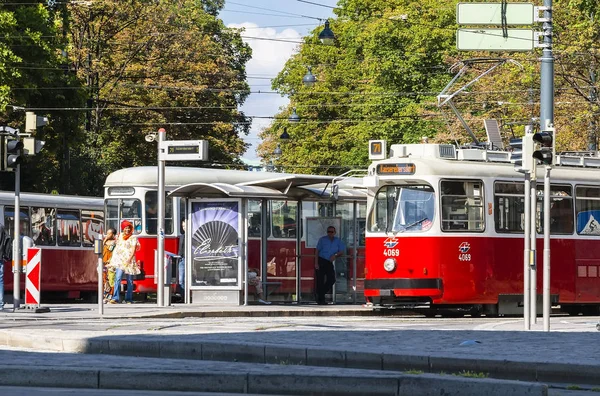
<point x="325" y="279"/>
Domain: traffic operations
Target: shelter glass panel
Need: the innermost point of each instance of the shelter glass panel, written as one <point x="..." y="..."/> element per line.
<point x="283" y="218"/>
<point x="254" y="218"/>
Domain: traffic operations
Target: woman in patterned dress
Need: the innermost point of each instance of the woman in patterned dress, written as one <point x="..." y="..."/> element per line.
<point x="123" y="260"/>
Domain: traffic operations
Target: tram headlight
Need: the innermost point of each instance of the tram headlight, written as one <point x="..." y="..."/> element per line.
<point x="389" y="264"/>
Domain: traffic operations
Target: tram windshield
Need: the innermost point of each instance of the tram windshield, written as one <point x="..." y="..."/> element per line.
<point x="402" y="209"/>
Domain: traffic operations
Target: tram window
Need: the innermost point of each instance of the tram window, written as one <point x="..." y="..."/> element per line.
<point x="42" y="226"/>
<point x="67" y="226"/>
<point x="121" y="209"/>
<point x="561" y="209"/>
<point x="254" y="217"/>
<point x="9" y="220"/>
<point x="92" y="226"/>
<point x="283" y="218"/>
<point x="406" y="208"/>
<point x="509" y="207"/>
<point x="151" y="206"/>
<point x="587" y="206"/>
<point x="462" y="206"/>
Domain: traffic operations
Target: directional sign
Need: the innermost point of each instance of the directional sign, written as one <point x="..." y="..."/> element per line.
<point x="184" y="150"/>
<point x="491" y="13"/>
<point x="377" y="149"/>
<point x="493" y="40"/>
<point x="33" y="277"/>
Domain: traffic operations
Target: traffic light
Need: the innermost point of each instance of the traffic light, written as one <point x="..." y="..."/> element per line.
<point x="33" y="121"/>
<point x="544" y="154"/>
<point x="522" y="150"/>
<point x="11" y="152"/>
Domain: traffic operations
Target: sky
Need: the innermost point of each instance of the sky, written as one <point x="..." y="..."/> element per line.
<point x="273" y="19"/>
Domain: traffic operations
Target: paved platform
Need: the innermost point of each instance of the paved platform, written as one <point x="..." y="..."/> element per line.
<point x="354" y="342"/>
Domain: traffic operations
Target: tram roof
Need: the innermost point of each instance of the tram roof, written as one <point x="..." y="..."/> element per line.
<point x="429" y="163"/>
<point x="50" y="200"/>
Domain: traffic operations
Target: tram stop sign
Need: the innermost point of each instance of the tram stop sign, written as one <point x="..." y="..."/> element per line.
<point x="184" y="150"/>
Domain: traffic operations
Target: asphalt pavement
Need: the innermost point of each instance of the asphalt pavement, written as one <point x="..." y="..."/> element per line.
<point x="293" y="349"/>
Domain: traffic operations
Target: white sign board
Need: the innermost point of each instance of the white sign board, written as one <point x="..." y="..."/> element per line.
<point x="184" y="150"/>
<point x="491" y="13"/>
<point x="317" y="227"/>
<point x="493" y="40"/>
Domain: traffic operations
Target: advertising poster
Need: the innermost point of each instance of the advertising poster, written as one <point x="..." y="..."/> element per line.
<point x="215" y="244"/>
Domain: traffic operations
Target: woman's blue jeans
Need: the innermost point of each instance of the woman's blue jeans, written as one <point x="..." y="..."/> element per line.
<point x="129" y="293"/>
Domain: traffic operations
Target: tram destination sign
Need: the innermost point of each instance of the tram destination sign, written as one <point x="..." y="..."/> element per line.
<point x="396" y="169"/>
<point x="184" y="150"/>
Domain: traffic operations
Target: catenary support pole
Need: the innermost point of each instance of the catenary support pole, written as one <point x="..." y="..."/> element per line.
<point x="160" y="235"/>
<point x="527" y="253"/>
<point x="547" y="124"/>
<point x="533" y="262"/>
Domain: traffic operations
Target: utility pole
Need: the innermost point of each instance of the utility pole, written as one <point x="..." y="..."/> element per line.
<point x="547" y="125"/>
<point x="592" y="138"/>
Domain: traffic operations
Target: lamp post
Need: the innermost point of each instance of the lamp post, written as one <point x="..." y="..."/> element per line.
<point x="309" y="79"/>
<point x="326" y="36"/>
<point x="294" y="117"/>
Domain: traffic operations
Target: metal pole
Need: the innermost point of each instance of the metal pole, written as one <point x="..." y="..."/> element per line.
<point x="547" y="124"/>
<point x="533" y="262"/>
<point x="299" y="217"/>
<point x="355" y="210"/>
<point x="100" y="286"/>
<point x="527" y="252"/>
<point x="160" y="236"/>
<point x="546" y="284"/>
<point x="244" y="252"/>
<point x="17" y="241"/>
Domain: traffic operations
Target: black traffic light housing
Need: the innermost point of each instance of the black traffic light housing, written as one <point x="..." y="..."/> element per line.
<point x="544" y="154"/>
<point x="11" y="152"/>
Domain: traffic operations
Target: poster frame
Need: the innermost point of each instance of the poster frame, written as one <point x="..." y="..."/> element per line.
<point x="189" y="234"/>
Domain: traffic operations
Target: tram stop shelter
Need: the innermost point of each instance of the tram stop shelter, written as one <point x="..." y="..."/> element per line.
<point x="270" y="222"/>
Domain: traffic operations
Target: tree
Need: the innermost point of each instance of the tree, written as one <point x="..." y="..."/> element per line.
<point x="168" y="64"/>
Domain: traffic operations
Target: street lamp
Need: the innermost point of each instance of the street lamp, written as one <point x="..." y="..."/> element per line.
<point x="285" y="135"/>
<point x="309" y="79"/>
<point x="294" y="117"/>
<point x="326" y="36"/>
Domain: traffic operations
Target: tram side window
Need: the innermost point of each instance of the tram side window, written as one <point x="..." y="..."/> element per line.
<point x="67" y="226"/>
<point x="462" y="206"/>
<point x="92" y="226"/>
<point x="561" y="209"/>
<point x="151" y="210"/>
<point x="283" y="219"/>
<point x="509" y="207"/>
<point x="9" y="220"/>
<point x="42" y="226"/>
<point x="587" y="206"/>
<point x="254" y="217"/>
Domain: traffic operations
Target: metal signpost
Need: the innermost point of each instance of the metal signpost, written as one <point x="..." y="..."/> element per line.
<point x="173" y="150"/>
<point x="511" y="39"/>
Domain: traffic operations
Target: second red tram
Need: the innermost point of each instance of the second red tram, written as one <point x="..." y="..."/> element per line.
<point x="445" y="230"/>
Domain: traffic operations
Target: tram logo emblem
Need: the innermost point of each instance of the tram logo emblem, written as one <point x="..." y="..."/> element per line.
<point x="464" y="247"/>
<point x="390" y="243"/>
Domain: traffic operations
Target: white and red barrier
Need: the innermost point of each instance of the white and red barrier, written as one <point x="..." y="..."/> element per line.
<point x="33" y="278"/>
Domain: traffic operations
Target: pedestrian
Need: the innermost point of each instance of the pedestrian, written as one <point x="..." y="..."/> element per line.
<point x="108" y="274"/>
<point x="123" y="260"/>
<point x="329" y="248"/>
<point x="182" y="260"/>
<point x="254" y="280"/>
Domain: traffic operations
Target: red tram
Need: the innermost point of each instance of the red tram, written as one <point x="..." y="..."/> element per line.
<point x="445" y="231"/>
<point x="65" y="228"/>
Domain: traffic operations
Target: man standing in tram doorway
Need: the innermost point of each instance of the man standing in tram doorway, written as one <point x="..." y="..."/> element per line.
<point x="329" y="248"/>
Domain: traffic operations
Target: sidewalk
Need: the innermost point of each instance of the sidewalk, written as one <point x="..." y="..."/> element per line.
<point x="568" y="354"/>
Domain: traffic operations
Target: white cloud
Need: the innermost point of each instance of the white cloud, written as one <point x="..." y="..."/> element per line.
<point x="268" y="59"/>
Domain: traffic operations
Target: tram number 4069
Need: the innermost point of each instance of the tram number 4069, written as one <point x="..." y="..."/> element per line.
<point x="391" y="252"/>
<point x="464" y="257"/>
